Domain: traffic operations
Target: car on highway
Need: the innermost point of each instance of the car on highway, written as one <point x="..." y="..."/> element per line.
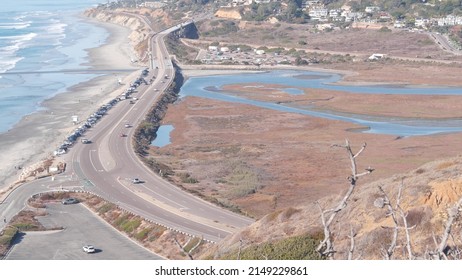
<point x="69" y="200"/>
<point x="136" y="181"/>
<point x="127" y="125"/>
<point x="88" y="249"/>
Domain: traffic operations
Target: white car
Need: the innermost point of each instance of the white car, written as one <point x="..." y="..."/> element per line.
<point x="88" y="249"/>
<point x="127" y="125"/>
<point x="136" y="181"/>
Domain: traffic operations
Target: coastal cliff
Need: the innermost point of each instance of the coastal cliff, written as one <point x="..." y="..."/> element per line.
<point x="139" y="31"/>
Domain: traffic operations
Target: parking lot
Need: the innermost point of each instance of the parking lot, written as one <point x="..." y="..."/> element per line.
<point x="81" y="227"/>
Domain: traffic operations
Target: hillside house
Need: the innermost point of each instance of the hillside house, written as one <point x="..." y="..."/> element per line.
<point x="318" y="13"/>
<point x="376" y="56"/>
<point x="371" y="9"/>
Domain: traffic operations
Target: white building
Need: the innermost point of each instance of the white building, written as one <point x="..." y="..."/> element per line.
<point x="399" y="24"/>
<point x="259" y="52"/>
<point x="224" y="49"/>
<point x="449" y="21"/>
<point x="372" y="9"/>
<point x="351" y="16"/>
<point x="376" y="56"/>
<point x="318" y="13"/>
<point x="421" y="22"/>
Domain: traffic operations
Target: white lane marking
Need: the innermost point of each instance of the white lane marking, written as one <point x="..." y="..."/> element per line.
<point x="91" y="160"/>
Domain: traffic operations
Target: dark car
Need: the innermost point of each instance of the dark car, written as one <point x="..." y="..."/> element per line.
<point x="70" y="200"/>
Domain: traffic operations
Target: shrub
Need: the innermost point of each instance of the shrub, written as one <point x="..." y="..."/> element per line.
<point x="105" y="208"/>
<point x="302" y="247"/>
<point x="8" y="236"/>
<point x="143" y="234"/>
<point x="130" y="225"/>
<point x="25" y="226"/>
<point x="187" y="179"/>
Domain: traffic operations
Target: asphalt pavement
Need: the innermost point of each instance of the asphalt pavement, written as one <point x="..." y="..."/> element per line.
<point x="81" y="227"/>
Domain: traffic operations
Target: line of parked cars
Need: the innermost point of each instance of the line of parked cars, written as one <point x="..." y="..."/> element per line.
<point x="96" y="116"/>
<point x="91" y="121"/>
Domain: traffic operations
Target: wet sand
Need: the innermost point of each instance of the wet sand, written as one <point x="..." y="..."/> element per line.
<point x="37" y="135"/>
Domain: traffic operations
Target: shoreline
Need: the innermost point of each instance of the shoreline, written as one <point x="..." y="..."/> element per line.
<point x="35" y="137"/>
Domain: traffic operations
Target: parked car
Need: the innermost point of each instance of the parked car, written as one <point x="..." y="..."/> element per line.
<point x="70" y="200"/>
<point x="88" y="249"/>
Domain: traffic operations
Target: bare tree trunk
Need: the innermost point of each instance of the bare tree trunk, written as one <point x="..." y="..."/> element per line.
<point x="239" y="251"/>
<point x="326" y="248"/>
<point x="408" y="236"/>
<point x="453" y="213"/>
<point x="392" y="212"/>
<point x="352" y="243"/>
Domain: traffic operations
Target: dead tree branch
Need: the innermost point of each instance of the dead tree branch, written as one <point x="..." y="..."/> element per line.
<point x="352" y="243"/>
<point x="240" y="248"/>
<point x="406" y="230"/>
<point x="326" y="248"/>
<point x="453" y="213"/>
<point x="393" y="212"/>
<point x="183" y="247"/>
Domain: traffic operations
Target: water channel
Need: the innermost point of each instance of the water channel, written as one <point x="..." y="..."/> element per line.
<point x="211" y="87"/>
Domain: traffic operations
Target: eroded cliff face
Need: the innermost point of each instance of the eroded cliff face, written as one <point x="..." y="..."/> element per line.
<point x="140" y="32"/>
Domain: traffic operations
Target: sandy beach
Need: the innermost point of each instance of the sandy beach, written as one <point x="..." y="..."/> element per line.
<point x="37" y="135"/>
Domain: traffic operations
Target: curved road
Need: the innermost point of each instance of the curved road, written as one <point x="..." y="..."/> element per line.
<point x="109" y="164"/>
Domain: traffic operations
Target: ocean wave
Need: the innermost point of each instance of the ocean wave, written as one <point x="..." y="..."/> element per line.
<point x="53" y="33"/>
<point x="56" y="28"/>
<point x="8" y="64"/>
<point x="15" y="25"/>
<point x="9" y="50"/>
<point x="20" y="38"/>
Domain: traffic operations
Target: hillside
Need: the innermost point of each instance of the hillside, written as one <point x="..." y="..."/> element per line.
<point x="427" y="193"/>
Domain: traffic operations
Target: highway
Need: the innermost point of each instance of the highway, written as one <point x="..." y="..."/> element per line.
<point x="109" y="164"/>
<point x="443" y="43"/>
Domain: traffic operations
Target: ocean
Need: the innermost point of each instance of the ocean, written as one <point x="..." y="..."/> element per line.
<point x="39" y="41"/>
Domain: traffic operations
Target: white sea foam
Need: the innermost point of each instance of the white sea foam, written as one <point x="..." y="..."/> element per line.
<point x="56" y="28"/>
<point x="9" y="63"/>
<point x="54" y="33"/>
<point x="9" y="50"/>
<point x="14" y="25"/>
<point x="20" y="38"/>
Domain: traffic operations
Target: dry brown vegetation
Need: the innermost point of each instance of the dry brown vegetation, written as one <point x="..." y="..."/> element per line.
<point x="353" y="40"/>
<point x="425" y="199"/>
